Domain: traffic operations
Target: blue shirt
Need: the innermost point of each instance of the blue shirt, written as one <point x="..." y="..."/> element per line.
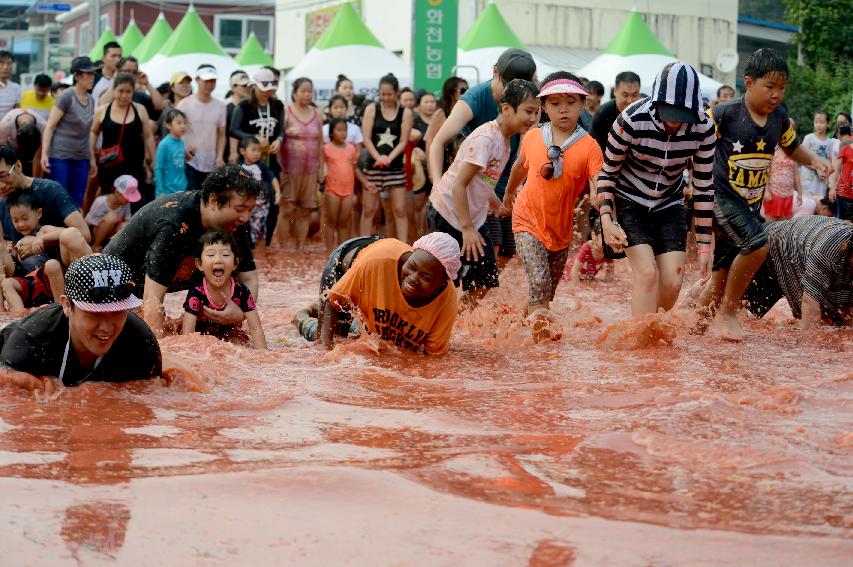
<point x="170" y="166"/>
<point x="485" y="109"/>
<point x="56" y="206"/>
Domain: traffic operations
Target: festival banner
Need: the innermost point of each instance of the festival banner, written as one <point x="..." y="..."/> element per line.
<point x="434" y="55"/>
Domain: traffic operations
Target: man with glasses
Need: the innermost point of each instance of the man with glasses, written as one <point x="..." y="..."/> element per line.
<point x="57" y="210"/>
<point x="90" y="335"/>
<point x="10" y="91"/>
<point x="205" y="137"/>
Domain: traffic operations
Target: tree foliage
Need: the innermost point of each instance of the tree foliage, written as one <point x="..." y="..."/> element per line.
<point x="825" y="39"/>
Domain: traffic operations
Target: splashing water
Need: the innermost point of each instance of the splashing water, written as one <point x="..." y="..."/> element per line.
<point x="622" y="443"/>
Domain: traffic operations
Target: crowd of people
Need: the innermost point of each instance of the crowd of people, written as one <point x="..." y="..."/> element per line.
<point x="116" y="192"/>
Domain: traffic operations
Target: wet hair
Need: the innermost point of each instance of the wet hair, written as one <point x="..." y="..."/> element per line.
<point x="341" y="79"/>
<point x="28" y="141"/>
<point x="724" y="88"/>
<point x="448" y="92"/>
<point x="218" y="237"/>
<point x="763" y="62"/>
<point x="247" y="141"/>
<point x="825" y="115"/>
<point x="391" y="81"/>
<point x="596" y="226"/>
<point x="831" y="205"/>
<point x="336" y="98"/>
<point x="843" y="130"/>
<point x="595" y="88"/>
<point x="627" y="77"/>
<point x="517" y="91"/>
<point x="26" y="198"/>
<point x="298" y="83"/>
<point x="8" y="155"/>
<point x="228" y="179"/>
<point x="173" y="113"/>
<point x="124" y="79"/>
<point x="334" y="122"/>
<point x="111" y="45"/>
<point x="42" y="80"/>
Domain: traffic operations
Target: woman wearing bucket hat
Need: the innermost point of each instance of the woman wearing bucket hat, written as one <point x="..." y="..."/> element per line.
<point x="90" y="335"/>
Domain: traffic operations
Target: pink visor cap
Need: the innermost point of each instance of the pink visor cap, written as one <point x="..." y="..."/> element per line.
<point x="562" y="86"/>
<point x="128" y="187"/>
<point x="445" y="249"/>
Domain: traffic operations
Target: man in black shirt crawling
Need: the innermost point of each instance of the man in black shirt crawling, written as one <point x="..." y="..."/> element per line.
<point x="90" y="335"/>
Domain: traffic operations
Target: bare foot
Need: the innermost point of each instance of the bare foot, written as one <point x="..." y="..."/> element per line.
<point x="729" y="327"/>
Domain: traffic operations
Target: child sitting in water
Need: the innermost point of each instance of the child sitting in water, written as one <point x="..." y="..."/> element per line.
<point x="110" y="212"/>
<point x="590" y="258"/>
<point x="216" y="260"/>
<point x="250" y="158"/>
<point x="460" y="202"/>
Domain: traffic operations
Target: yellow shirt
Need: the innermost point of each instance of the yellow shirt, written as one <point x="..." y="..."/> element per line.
<point x="372" y="284"/>
<point x="29" y="100"/>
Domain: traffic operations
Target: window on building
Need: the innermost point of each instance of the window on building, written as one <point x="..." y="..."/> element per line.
<point x="85" y="44"/>
<point x="233" y="31"/>
<point x="105" y="24"/>
<point x="71" y="36"/>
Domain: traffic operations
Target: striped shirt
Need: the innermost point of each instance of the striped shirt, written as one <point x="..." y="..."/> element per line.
<point x="811" y="255"/>
<point x="645" y="164"/>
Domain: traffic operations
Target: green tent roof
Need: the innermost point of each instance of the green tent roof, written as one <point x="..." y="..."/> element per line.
<point x="490" y="30"/>
<point x="253" y="54"/>
<point x="131" y="37"/>
<point x="191" y="36"/>
<point x="347" y="29"/>
<point x="97" y="52"/>
<point x="635" y="38"/>
<point x="154" y="40"/>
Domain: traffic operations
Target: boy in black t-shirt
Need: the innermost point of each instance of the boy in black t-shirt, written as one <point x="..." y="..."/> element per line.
<point x="748" y="131"/>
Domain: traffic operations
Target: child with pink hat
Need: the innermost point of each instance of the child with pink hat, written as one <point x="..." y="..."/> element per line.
<point x="110" y="212"/>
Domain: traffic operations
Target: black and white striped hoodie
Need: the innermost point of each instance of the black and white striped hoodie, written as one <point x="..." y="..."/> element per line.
<point x="645" y="164"/>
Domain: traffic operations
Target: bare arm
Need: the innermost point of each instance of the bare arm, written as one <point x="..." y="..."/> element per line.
<point x="810" y="313"/>
<point x="220" y="144"/>
<point x="76" y="220"/>
<point x="256" y="331"/>
<point x="804" y="156"/>
<point x="47" y="136"/>
<point x="459" y="117"/>
<point x="405" y="131"/>
<point x="331" y="311"/>
<point x="472" y="242"/>
<point x="516" y="176"/>
<point x="833" y="179"/>
<point x="152" y="306"/>
<point x="188" y="323"/>
<point x="147" y="135"/>
<point x="250" y="280"/>
<point x="367" y="130"/>
<point x="575" y="274"/>
<point x="6" y="259"/>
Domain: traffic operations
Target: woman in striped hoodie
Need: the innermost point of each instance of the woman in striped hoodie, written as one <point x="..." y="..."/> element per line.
<point x="649" y="148"/>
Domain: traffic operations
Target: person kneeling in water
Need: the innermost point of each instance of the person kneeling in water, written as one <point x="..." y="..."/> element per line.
<point x="401" y="293"/>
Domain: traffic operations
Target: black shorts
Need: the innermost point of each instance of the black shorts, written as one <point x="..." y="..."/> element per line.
<point x="763" y="293"/>
<point x="335" y="268"/>
<point x="500" y="232"/>
<point x="482" y="273"/>
<point x="738" y="228"/>
<point x="664" y="230"/>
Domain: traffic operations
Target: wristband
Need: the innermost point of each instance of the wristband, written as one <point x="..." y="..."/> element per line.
<point x="705" y="250"/>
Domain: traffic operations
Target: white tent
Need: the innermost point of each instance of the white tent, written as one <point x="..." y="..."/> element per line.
<point x="484" y="42"/>
<point x="190" y="45"/>
<point x="635" y="48"/>
<point x="347" y="47"/>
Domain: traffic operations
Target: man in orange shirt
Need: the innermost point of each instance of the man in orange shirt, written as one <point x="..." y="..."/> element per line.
<point x="401" y="292"/>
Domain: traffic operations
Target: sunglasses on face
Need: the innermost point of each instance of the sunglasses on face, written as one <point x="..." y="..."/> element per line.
<point x="547" y="169"/>
<point x="100" y="294"/>
<point x="268" y="83"/>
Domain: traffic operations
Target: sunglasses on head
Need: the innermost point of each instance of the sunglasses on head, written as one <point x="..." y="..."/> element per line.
<point x="547" y="169"/>
<point x="99" y="294"/>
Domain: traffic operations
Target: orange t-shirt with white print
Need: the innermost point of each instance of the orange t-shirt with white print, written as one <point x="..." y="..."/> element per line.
<point x="373" y="285"/>
<point x="545" y="207"/>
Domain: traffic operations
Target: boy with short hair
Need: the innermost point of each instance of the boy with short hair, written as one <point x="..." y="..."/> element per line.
<point x="748" y="131"/>
<point x="38" y="99"/>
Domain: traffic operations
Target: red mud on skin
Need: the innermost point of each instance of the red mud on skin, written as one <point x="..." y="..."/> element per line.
<point x="623" y="443"/>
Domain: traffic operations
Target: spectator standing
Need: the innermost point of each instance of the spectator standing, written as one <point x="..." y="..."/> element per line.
<point x="108" y="71"/>
<point x="10" y="91"/>
<point x="38" y="99"/>
<point x="205" y="137"/>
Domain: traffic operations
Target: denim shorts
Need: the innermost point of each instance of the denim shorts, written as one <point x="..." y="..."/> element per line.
<point x="738" y="228"/>
<point x="664" y="230"/>
<point x="482" y="273"/>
